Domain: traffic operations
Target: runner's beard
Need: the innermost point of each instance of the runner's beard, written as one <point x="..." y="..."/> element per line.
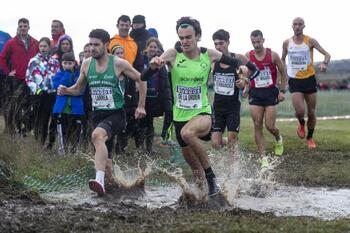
<point x="97" y="55"/>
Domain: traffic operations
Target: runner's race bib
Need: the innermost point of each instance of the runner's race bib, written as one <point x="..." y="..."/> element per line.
<point x="299" y="61"/>
<point x="264" y="79"/>
<point x="188" y="97"/>
<point x="224" y="84"/>
<point x="102" y="97"/>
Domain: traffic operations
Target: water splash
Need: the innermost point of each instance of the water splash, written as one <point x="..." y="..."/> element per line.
<point x="131" y="178"/>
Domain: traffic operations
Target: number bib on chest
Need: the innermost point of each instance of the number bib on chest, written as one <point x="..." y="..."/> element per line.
<point x="224" y="84"/>
<point x="264" y="79"/>
<point x="102" y="97"/>
<point x="298" y="61"/>
<point x="188" y="97"/>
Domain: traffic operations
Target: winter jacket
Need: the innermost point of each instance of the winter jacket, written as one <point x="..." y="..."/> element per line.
<point x="130" y="47"/>
<point x="41" y="69"/>
<point x="158" y="89"/>
<point x="4" y="37"/>
<point x="68" y="79"/>
<point x="16" y="52"/>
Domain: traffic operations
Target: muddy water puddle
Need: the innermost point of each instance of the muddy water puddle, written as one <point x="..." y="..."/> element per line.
<point x="244" y="185"/>
<point x="323" y="203"/>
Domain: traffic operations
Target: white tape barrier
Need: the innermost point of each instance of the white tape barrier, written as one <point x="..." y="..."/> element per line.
<point x="319" y="118"/>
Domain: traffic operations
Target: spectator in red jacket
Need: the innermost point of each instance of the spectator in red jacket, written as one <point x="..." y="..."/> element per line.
<point x="18" y="51"/>
<point x="14" y="59"/>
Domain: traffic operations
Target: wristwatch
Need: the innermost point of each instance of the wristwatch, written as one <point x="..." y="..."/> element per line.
<point x="283" y="91"/>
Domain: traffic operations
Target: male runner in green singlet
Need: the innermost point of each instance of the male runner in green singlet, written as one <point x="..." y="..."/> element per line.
<point x="104" y="73"/>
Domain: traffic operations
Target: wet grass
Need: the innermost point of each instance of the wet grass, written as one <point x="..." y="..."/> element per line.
<point x="327" y="165"/>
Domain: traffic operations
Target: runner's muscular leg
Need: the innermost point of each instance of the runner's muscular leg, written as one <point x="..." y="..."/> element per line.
<point x="99" y="138"/>
<point x="257" y="113"/>
<point x="216" y="140"/>
<point x="270" y="121"/>
<point x="193" y="162"/>
<point x="311" y="110"/>
<point x="197" y="127"/>
<point x="298" y="104"/>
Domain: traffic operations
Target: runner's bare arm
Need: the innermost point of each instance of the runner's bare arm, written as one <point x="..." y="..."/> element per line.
<point x="216" y="56"/>
<point x="168" y="57"/>
<point x="284" y="51"/>
<point x="327" y="56"/>
<point x="79" y="86"/>
<point x="281" y="69"/>
<point x="242" y="58"/>
<point x="123" y="67"/>
<point x="283" y="75"/>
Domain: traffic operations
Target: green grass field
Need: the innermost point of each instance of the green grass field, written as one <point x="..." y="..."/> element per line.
<point x="329" y="103"/>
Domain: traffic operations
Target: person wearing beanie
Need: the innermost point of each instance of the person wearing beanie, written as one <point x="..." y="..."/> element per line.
<point x="153" y="32"/>
<point x="139" y="32"/>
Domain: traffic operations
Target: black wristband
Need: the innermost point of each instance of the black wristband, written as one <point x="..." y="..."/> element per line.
<point x="230" y="61"/>
<point x="147" y="73"/>
<point x="255" y="71"/>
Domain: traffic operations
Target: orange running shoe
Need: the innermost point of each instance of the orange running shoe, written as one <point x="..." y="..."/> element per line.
<point x="311" y="143"/>
<point x="301" y="131"/>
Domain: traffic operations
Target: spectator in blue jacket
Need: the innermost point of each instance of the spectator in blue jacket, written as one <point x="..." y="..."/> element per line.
<point x="68" y="110"/>
<point x="4" y="37"/>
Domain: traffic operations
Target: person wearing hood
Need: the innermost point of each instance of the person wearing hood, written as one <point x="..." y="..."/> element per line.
<point x="41" y="69"/>
<point x="139" y="32"/>
<point x="65" y="45"/>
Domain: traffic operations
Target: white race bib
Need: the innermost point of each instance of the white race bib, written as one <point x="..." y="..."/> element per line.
<point x="224" y="84"/>
<point x="188" y="97"/>
<point x="298" y="61"/>
<point x="102" y="97"/>
<point x="264" y="79"/>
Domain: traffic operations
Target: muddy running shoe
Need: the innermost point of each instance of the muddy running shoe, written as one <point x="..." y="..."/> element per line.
<point x="264" y="163"/>
<point x="279" y="147"/>
<point x="214" y="187"/>
<point x="301" y="131"/>
<point x="97" y="187"/>
<point x="311" y="143"/>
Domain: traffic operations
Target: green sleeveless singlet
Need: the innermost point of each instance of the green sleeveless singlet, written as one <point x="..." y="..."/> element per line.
<point x="106" y="89"/>
<point x="189" y="79"/>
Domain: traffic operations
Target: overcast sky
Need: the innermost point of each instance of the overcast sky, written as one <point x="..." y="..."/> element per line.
<point x="326" y="21"/>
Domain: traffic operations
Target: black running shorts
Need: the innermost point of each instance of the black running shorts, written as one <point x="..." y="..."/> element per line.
<point x="263" y="96"/>
<point x="229" y="118"/>
<point x="306" y="86"/>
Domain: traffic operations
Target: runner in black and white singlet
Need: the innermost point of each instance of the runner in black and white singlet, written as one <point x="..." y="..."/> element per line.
<point x="226" y="103"/>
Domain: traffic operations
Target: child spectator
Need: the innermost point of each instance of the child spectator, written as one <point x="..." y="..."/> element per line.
<point x="68" y="110"/>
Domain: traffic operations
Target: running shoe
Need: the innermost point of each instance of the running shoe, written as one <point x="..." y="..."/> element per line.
<point x="214" y="187"/>
<point x="301" y="131"/>
<point x="311" y="143"/>
<point x="264" y="163"/>
<point x="279" y="147"/>
<point x="97" y="187"/>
